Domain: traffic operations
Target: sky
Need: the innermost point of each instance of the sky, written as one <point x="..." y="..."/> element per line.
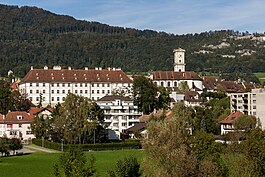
<point x="171" y="16"/>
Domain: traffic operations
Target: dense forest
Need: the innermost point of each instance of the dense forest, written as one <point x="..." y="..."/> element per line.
<point x="30" y="36"/>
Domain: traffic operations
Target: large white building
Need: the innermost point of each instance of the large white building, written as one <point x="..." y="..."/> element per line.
<point x="51" y="86"/>
<point x="120" y="113"/>
<point x="250" y="103"/>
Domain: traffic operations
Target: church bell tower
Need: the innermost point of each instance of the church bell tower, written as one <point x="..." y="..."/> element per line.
<point x="179" y="60"/>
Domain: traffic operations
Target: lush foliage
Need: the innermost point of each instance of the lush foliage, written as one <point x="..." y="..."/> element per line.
<point x="172" y="151"/>
<point x="147" y="96"/>
<point x="77" y="119"/>
<point x="7" y="145"/>
<point x="74" y="164"/>
<point x="127" y="167"/>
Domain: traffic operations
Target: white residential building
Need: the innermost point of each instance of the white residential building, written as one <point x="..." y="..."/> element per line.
<point x="250" y="103"/>
<point x="16" y="124"/>
<point x="119" y="113"/>
<point x="51" y="86"/>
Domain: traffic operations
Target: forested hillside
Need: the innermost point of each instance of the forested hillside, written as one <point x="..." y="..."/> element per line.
<point x="30" y="36"/>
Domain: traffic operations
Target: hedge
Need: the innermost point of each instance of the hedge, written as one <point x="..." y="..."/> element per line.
<point x="90" y="147"/>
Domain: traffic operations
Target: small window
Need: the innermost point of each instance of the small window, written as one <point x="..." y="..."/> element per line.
<point x="30" y="91"/>
<point x="81" y="84"/>
<point x="92" y="85"/>
<point x="69" y="91"/>
<point x="52" y="91"/>
<point x="168" y="84"/>
<point x="30" y="84"/>
<point x="37" y="91"/>
<point x="43" y="91"/>
<point x="63" y="85"/>
<point x="52" y="84"/>
<point x="97" y="85"/>
<point x="43" y="84"/>
<point x="85" y="84"/>
<point x="69" y="84"/>
<point x="19" y="117"/>
<point x="76" y="91"/>
<point x="63" y="98"/>
<point x="58" y="91"/>
<point x="85" y="91"/>
<point x="19" y="125"/>
<point x="58" y="98"/>
<point x="63" y="91"/>
<point x="108" y="91"/>
<point x="81" y="91"/>
<point x="108" y="85"/>
<point x="37" y="84"/>
<point x="37" y="98"/>
<point x="103" y="91"/>
<point x="76" y="85"/>
<point x="58" y="85"/>
<point x="162" y="84"/>
<point x="103" y="85"/>
<point x="52" y="98"/>
<point x="30" y="98"/>
<point x="92" y="91"/>
<point x="97" y="91"/>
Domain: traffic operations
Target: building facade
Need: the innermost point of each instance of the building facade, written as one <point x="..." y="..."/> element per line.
<point x="51" y="86"/>
<point x="250" y="103"/>
<point x="120" y="113"/>
<point x="16" y="124"/>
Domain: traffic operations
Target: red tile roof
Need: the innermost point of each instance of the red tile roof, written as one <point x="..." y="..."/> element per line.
<point x="231" y="118"/>
<point x="12" y="117"/>
<point x="79" y="76"/>
<point x="34" y="111"/>
<point x="171" y="75"/>
<point x="192" y="96"/>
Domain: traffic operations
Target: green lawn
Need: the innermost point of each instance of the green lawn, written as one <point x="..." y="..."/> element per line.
<point x="41" y="164"/>
<point x="260" y="76"/>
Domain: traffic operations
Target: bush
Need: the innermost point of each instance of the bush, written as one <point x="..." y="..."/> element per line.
<point x="89" y="147"/>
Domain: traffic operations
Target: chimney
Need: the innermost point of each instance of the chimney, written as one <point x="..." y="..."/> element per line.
<point x="109" y="68"/>
<point x="114" y="69"/>
<point x="99" y="68"/>
<point x="69" y="68"/>
<point x="96" y="68"/>
<point x="31" y="68"/>
<point x="86" y="68"/>
<point x="45" y="67"/>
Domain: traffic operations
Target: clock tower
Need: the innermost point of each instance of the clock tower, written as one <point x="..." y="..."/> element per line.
<point x="179" y="60"/>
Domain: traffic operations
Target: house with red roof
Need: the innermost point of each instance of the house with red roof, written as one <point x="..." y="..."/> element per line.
<point x="227" y="125"/>
<point x="16" y="124"/>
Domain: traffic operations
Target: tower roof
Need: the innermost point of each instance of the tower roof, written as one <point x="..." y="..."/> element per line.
<point x="178" y="50"/>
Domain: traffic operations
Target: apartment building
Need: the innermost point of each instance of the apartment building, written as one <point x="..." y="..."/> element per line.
<point x="250" y="103"/>
<point x="51" y="86"/>
<point x="120" y="113"/>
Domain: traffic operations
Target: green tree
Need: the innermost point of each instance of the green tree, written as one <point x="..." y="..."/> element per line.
<point x="163" y="100"/>
<point x="77" y="119"/>
<point x="4" y="145"/>
<point x="145" y="94"/>
<point x="15" y="144"/>
<point x="172" y="151"/>
<point x="6" y="103"/>
<point x="127" y="167"/>
<point x="246" y="123"/>
<point x="74" y="164"/>
<point x="254" y="149"/>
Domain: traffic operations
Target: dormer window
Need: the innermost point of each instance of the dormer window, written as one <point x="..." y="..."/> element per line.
<point x="19" y="117"/>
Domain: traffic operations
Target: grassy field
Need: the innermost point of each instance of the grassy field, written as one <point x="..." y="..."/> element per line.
<point x="41" y="164"/>
<point x="260" y="76"/>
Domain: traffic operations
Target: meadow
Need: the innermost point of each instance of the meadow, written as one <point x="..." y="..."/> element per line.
<point x="261" y="77"/>
<point x="41" y="164"/>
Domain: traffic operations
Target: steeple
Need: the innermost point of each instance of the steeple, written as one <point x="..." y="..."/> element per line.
<point x="179" y="60"/>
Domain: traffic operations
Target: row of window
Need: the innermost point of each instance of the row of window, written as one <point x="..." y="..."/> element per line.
<point x="69" y="85"/>
<point x="76" y="91"/>
<point x="168" y="84"/>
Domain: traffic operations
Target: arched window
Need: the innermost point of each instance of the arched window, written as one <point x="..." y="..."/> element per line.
<point x="168" y="84"/>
